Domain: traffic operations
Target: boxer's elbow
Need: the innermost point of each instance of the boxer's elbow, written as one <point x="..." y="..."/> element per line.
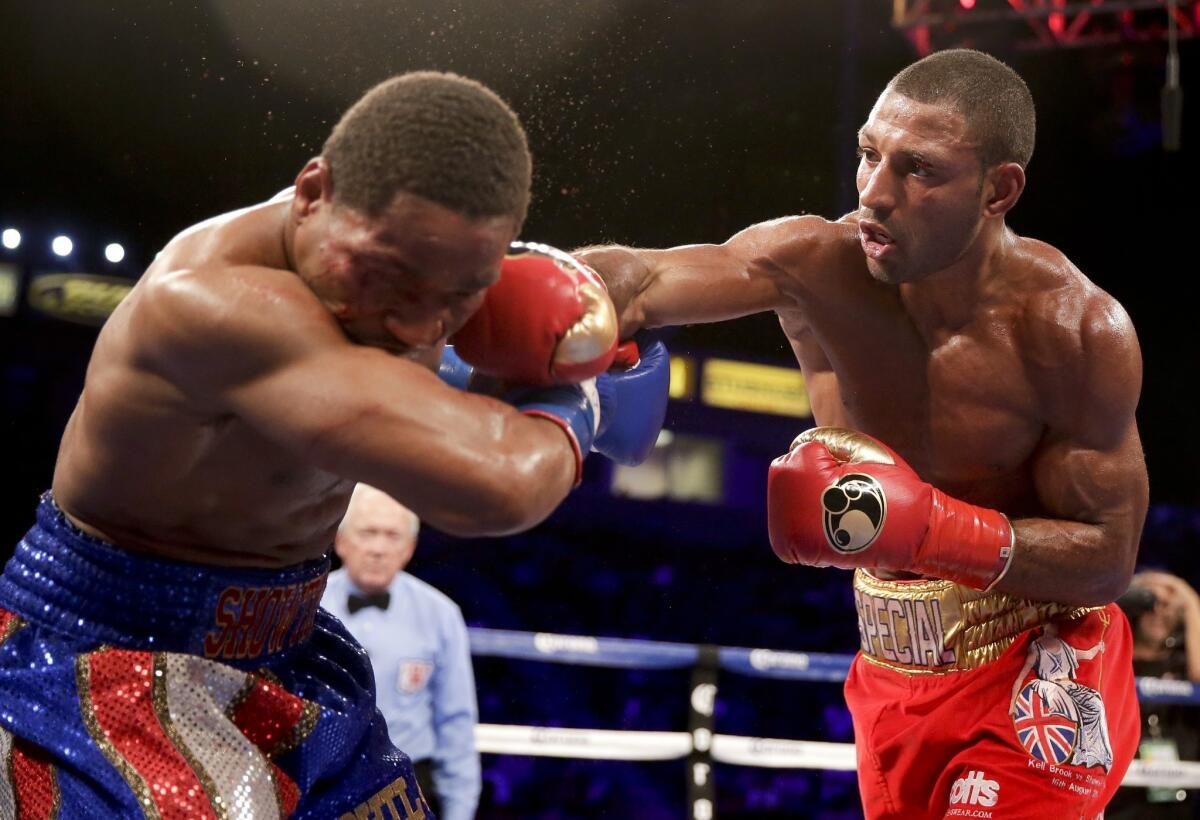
<point x="1113" y="584"/>
<point x="529" y="489"/>
<point x="1105" y="586"/>
<point x="498" y="510"/>
<point x="510" y="496"/>
<point x="1122" y="547"/>
<point x="486" y="520"/>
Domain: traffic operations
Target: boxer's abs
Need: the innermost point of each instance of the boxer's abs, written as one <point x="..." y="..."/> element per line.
<point x="149" y="477"/>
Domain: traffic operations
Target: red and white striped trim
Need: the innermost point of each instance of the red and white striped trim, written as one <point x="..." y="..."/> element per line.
<point x="193" y="738"/>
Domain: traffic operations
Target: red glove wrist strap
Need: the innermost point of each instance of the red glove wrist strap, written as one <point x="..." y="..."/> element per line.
<point x="964" y="543"/>
<point x="566" y="428"/>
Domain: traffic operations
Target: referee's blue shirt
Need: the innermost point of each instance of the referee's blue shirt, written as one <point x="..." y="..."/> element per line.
<point x="423" y="677"/>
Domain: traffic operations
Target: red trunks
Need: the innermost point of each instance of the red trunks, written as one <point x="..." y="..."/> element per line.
<point x="974" y="705"/>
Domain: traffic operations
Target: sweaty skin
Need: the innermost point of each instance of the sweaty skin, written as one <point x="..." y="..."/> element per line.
<point x="271" y="358"/>
<point x="985" y="359"/>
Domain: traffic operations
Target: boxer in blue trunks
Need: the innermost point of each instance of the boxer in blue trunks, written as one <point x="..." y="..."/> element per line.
<point x="162" y="650"/>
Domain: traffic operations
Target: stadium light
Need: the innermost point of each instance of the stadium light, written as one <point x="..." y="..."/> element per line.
<point x="11" y="238"/>
<point x="62" y="245"/>
<point x="114" y="253"/>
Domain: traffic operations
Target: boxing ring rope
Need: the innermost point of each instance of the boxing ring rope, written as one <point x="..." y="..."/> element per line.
<point x="700" y="745"/>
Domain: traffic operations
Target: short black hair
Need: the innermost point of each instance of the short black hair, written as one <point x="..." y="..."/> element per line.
<point x="990" y="96"/>
<point x="440" y="136"/>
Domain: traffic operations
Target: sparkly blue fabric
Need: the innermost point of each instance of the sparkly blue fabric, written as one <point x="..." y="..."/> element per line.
<point x="77" y="593"/>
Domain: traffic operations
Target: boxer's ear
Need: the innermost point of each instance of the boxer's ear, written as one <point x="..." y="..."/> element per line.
<point x="1002" y="187"/>
<point x="314" y="188"/>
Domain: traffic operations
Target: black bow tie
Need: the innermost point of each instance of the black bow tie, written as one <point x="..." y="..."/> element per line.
<point x="357" y="602"/>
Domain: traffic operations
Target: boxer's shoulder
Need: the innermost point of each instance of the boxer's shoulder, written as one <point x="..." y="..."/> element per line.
<point x="803" y="249"/>
<point x="1059" y="304"/>
<point x="1078" y="341"/>
<point x="801" y="237"/>
<point x="212" y="300"/>
<point x="1038" y="265"/>
<point x="218" y="323"/>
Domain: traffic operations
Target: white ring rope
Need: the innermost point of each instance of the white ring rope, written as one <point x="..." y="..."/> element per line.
<point x="765" y="752"/>
<point x="778" y="753"/>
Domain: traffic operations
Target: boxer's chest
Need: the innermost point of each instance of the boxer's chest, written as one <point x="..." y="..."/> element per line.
<point x="958" y="405"/>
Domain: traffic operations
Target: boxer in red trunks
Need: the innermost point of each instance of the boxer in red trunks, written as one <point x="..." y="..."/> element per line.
<point x="994" y="678"/>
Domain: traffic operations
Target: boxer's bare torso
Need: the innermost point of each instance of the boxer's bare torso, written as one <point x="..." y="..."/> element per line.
<point x="151" y="467"/>
<point x="227" y="412"/>
<point x="1012" y="389"/>
<point x="985" y="359"/>
<point x="965" y="385"/>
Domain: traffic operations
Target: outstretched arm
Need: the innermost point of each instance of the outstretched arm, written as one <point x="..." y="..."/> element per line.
<point x="755" y="270"/>
<point x="1089" y="473"/>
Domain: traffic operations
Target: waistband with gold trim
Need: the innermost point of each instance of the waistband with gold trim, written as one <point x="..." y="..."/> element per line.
<point x="933" y="627"/>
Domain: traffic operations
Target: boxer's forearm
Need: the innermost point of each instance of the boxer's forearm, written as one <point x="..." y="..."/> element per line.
<point x="689" y="284"/>
<point x="1069" y="562"/>
<point x="628" y="275"/>
<point x="505" y="477"/>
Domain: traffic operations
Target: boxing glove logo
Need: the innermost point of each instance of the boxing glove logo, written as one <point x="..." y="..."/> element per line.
<point x="854" y="511"/>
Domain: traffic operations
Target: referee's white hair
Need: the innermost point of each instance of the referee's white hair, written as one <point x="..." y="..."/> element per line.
<point x="365" y="491"/>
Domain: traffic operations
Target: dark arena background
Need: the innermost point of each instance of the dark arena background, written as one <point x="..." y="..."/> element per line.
<point x="651" y="123"/>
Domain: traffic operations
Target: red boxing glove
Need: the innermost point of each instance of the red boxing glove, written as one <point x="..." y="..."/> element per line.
<point x="547" y="321"/>
<point x="840" y="498"/>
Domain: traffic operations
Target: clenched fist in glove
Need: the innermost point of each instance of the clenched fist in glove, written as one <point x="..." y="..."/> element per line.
<point x="840" y="498"/>
<point x="548" y="320"/>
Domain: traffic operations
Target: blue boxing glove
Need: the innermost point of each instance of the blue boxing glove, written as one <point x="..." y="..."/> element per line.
<point x="617" y="414"/>
<point x="576" y="408"/>
<point x="633" y="406"/>
<point x="453" y="370"/>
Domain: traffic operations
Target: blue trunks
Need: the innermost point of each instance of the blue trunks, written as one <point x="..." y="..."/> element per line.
<point x="138" y="687"/>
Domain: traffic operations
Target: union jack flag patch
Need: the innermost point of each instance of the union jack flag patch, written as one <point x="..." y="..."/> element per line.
<point x="1046" y="729"/>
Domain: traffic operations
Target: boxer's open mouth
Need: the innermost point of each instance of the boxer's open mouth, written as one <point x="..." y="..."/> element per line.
<point x="875" y="240"/>
<point x="873" y="232"/>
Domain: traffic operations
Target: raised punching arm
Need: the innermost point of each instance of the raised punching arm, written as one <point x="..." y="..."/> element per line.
<point x="1089" y="473"/>
<point x="758" y="269"/>
<point x="253" y="343"/>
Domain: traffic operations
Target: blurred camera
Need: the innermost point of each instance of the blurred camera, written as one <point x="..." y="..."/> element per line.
<point x="1136" y="601"/>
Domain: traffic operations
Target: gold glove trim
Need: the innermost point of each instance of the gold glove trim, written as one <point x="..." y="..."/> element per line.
<point x="932" y="627"/>
<point x="847" y="446"/>
<point x="596" y="331"/>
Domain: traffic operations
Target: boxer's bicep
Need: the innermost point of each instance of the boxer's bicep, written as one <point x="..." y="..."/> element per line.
<point x="1082" y="547"/>
<point x="1091" y="467"/>
<point x="1089" y="476"/>
<point x="706" y="283"/>
<point x="1105" y="490"/>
